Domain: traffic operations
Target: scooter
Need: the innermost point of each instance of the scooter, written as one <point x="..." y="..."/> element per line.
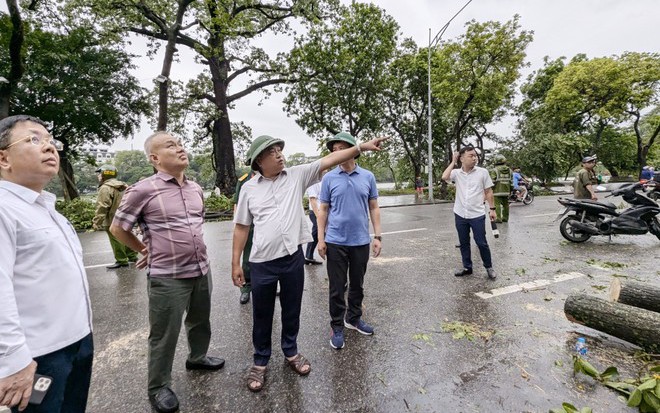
<point x="529" y="196"/>
<point x="588" y="218"/>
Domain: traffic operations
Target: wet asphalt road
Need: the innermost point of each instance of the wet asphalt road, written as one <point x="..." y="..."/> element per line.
<point x="410" y="364"/>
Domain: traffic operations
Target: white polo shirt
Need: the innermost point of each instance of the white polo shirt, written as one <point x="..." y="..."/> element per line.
<point x="44" y="295"/>
<point x="275" y="207"/>
<point x="470" y="188"/>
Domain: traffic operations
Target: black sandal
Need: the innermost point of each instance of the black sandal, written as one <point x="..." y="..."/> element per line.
<point x="256" y="375"/>
<point x="298" y="362"/>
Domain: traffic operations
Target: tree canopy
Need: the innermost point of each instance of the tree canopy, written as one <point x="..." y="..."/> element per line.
<point x="83" y="89"/>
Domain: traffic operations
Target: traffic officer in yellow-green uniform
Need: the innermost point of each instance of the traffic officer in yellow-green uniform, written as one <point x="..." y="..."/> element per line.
<point x="245" y="289"/>
<point x="501" y="175"/>
<point x="108" y="199"/>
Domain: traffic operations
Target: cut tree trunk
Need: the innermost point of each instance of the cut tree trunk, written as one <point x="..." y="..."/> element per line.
<point x="635" y="325"/>
<point x="637" y="294"/>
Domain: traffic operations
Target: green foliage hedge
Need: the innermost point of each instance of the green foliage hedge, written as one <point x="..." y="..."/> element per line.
<point x="218" y="203"/>
<point x="79" y="212"/>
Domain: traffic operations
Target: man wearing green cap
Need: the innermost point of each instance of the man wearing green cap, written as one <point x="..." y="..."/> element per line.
<point x="585" y="181"/>
<point x="348" y="199"/>
<point x="272" y="200"/>
<point x="107" y="201"/>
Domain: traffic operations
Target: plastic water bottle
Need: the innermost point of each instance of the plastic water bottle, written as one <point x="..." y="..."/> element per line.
<point x="581" y="346"/>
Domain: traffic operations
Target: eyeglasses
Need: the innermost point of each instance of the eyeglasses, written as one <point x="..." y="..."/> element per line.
<point x="275" y="150"/>
<point x="39" y="140"/>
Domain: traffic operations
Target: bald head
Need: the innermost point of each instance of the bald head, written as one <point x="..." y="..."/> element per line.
<point x="148" y="144"/>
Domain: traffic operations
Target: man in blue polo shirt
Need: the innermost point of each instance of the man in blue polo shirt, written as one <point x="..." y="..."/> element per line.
<point x="348" y="198"/>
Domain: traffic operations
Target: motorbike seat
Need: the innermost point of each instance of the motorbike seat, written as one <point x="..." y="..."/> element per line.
<point x="602" y="203"/>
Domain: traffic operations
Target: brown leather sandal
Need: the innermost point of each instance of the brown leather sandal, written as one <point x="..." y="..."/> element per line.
<point x="298" y="362"/>
<point x="256" y="375"/>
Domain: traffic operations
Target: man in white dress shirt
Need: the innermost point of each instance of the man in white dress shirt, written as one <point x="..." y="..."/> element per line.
<point x="473" y="187"/>
<point x="45" y="313"/>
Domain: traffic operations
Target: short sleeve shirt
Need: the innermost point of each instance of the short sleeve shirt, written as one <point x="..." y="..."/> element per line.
<point x="470" y="187"/>
<point x="516" y="179"/>
<point x="275" y="207"/>
<point x="313" y="192"/>
<point x="348" y="195"/>
<point x="582" y="179"/>
<point x="171" y="217"/>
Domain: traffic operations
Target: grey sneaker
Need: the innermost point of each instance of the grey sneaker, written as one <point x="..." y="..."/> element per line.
<point x="491" y="273"/>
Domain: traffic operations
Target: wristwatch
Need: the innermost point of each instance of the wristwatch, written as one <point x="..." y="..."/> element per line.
<point x="378" y="237"/>
<point x="492" y="208"/>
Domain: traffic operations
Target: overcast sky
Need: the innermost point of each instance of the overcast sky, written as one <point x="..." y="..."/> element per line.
<point x="561" y="28"/>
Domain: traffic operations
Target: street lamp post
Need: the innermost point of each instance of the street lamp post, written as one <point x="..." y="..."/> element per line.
<point x="432" y="43"/>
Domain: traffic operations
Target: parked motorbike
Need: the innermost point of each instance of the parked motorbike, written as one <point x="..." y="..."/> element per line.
<point x="588" y="218"/>
<point x="529" y="197"/>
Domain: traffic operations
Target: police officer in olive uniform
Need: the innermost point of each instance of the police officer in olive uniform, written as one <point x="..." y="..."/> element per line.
<point x="585" y="181"/>
<point x="501" y="175"/>
<point x="247" y="287"/>
<point x="107" y="201"/>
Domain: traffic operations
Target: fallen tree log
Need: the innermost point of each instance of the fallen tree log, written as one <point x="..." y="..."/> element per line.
<point x="632" y="324"/>
<point x="637" y="294"/>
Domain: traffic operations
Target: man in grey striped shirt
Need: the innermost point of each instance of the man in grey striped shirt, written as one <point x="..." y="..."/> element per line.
<point x="170" y="211"/>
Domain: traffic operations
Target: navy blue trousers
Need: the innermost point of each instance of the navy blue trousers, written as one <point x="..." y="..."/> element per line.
<point x="311" y="246"/>
<point x="71" y="370"/>
<point x="478" y="227"/>
<point x="289" y="271"/>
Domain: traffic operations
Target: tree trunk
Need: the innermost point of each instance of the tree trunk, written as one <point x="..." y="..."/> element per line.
<point x="635" y="325"/>
<point x="16" y="62"/>
<point x="164" y="81"/>
<point x="637" y="294"/>
<point x="67" y="178"/>
<point x="223" y="156"/>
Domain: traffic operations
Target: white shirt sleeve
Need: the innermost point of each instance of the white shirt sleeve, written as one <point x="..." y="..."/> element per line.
<point x="488" y="182"/>
<point x="14" y="352"/>
<point x="307" y="174"/>
<point x="243" y="215"/>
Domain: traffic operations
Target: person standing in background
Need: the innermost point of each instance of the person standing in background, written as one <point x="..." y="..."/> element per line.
<point x="313" y="196"/>
<point x="107" y="201"/>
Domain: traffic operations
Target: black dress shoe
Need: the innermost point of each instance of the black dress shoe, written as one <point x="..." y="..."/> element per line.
<point x="117" y="265"/>
<point x="463" y="271"/>
<point x="164" y="401"/>
<point x="245" y="298"/>
<point x="208" y="363"/>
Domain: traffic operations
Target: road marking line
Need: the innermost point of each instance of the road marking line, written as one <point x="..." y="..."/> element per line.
<point x="405" y="230"/>
<point x="97" y="252"/>
<point x="539" y="215"/>
<point x="99" y="265"/>
<point x="529" y="285"/>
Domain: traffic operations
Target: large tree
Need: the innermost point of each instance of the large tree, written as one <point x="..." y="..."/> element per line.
<point x="609" y="91"/>
<point x="12" y="72"/>
<point x="406" y="105"/>
<point x="541" y="145"/>
<point x="341" y="66"/>
<point x="221" y="33"/>
<point x="84" y="90"/>
<point x="473" y="78"/>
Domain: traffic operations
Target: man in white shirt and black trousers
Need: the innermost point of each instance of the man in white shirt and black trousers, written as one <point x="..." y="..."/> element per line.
<point x="473" y="186"/>
<point x="45" y="312"/>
